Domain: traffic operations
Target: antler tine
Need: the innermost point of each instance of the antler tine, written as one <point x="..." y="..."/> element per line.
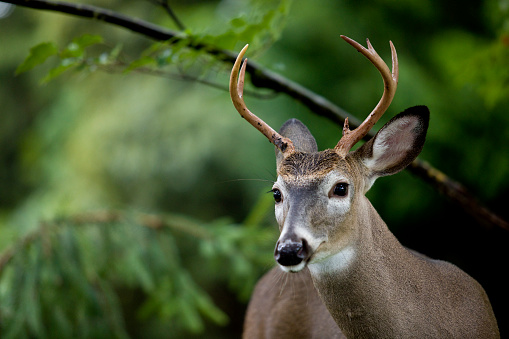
<point x="285" y="145"/>
<point x="350" y="138"/>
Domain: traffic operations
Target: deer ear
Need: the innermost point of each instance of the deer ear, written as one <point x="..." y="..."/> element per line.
<point x="396" y="144"/>
<point x="299" y="134"/>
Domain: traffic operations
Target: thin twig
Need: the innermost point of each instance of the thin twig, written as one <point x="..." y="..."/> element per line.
<point x="166" y="6"/>
<point x="119" y="67"/>
<point x="191" y="78"/>
<point x="263" y="78"/>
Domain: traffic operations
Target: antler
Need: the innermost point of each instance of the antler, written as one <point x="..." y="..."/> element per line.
<point x="285" y="145"/>
<point x="350" y="138"/>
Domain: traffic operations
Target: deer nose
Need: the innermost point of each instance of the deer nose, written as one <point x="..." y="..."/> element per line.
<point x="290" y="252"/>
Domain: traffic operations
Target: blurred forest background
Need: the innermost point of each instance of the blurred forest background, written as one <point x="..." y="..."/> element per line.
<point x="133" y="200"/>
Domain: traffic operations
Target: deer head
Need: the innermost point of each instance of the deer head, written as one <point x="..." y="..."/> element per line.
<point x="319" y="196"/>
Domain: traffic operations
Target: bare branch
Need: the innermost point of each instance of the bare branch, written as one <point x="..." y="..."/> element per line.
<point x="263" y="78"/>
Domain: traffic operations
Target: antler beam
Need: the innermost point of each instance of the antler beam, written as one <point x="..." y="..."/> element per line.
<point x="285" y="145"/>
<point x="350" y="138"/>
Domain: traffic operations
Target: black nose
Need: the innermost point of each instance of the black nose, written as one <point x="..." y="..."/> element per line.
<point x="291" y="253"/>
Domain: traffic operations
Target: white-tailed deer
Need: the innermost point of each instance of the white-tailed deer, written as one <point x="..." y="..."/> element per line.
<point x="349" y="276"/>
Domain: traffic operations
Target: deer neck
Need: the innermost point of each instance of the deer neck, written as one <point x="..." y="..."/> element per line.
<point x="357" y="284"/>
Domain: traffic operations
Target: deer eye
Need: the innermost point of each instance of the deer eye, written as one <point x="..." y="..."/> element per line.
<point x="278" y="197"/>
<point x="340" y="190"/>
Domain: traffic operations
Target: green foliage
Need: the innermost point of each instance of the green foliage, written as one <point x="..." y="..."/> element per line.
<point x="476" y="63"/>
<point x="72" y="56"/>
<point x="497" y="12"/>
<point x="261" y="28"/>
<point x="38" y="55"/>
<point x="130" y="142"/>
<point x="68" y="277"/>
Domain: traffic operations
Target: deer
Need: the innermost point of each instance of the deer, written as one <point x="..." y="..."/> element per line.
<point x="341" y="273"/>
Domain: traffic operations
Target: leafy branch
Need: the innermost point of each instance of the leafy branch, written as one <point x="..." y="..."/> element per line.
<point x="93" y="257"/>
<point x="263" y="78"/>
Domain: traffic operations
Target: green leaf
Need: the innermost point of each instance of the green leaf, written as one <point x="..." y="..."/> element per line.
<point x="76" y="48"/>
<point x="38" y="54"/>
<point x="190" y="317"/>
<point x="115" y="52"/>
<point x="207" y="307"/>
<point x="143" y="61"/>
<point x="64" y="66"/>
<point x="87" y="40"/>
<point x="238" y="22"/>
<point x="30" y="298"/>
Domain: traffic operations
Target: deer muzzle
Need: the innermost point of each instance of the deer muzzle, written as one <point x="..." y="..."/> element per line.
<point x="292" y="252"/>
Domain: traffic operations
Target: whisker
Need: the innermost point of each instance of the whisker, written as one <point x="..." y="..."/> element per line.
<point x="301" y="276"/>
<point x="234" y="180"/>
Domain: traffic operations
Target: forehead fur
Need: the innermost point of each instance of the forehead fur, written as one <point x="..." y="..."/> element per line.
<point x="300" y="164"/>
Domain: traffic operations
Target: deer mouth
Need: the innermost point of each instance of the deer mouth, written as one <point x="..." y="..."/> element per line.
<point x="292" y="255"/>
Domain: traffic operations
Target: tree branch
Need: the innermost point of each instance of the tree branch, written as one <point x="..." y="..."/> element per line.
<point x="101" y="14"/>
<point x="456" y="192"/>
<point x="263" y="78"/>
<point x="175" y="222"/>
<point x="260" y="77"/>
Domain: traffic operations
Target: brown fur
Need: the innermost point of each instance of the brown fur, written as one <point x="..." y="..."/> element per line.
<point x="371" y="286"/>
<point x="304" y="165"/>
<point x="391" y="292"/>
<point x="268" y="316"/>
